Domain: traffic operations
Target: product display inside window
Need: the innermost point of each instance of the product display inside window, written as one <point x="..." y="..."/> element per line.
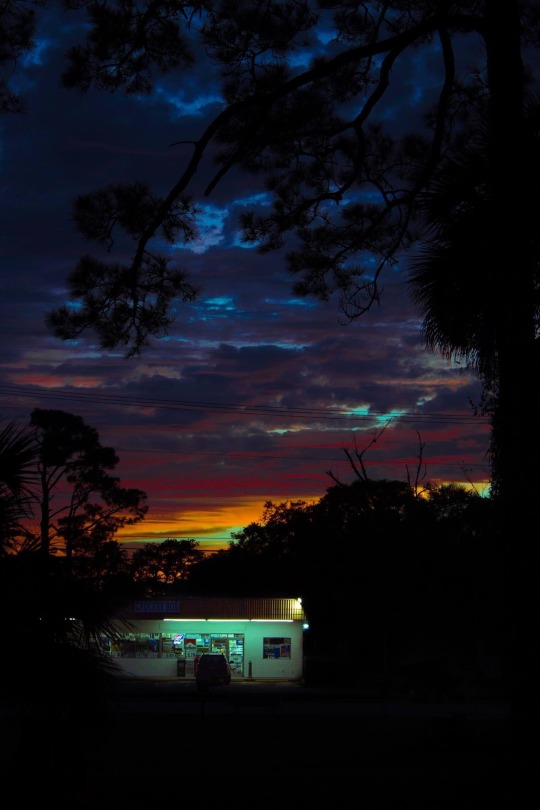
<point x="276" y="647"/>
<point x="186" y="647"/>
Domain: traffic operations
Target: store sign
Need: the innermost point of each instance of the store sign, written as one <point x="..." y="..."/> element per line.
<point x="157" y="606"/>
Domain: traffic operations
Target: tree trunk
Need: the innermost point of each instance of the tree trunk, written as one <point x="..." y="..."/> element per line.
<point x="516" y="418"/>
<point x="44" y="513"/>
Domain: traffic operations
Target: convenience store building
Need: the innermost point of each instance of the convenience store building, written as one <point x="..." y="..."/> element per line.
<point x="261" y="638"/>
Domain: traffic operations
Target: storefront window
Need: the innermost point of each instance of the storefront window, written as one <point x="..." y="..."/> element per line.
<point x="137" y="645"/>
<point x="276" y="647"/>
<point x="188" y="646"/>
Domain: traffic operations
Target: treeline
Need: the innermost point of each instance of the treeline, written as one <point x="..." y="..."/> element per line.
<point x="390" y="572"/>
<point x="388" y="575"/>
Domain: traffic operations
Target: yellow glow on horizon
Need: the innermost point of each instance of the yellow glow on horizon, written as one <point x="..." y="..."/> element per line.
<point x="210" y="526"/>
<point x="481" y="487"/>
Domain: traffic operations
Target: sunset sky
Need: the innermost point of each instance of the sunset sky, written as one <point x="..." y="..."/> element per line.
<point x="254" y="394"/>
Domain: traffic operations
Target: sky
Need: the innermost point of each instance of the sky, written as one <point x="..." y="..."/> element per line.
<point x="254" y="395"/>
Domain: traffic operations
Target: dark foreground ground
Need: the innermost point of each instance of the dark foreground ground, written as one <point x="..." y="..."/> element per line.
<point x="268" y="749"/>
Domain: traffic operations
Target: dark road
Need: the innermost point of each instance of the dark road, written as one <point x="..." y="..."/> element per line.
<point x="279" y="745"/>
<point x="285" y="698"/>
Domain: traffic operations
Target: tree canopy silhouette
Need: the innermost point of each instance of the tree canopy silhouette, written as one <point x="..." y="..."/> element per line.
<point x="18" y="475"/>
<point x="81" y="505"/>
<point x="348" y="185"/>
<point x="158" y="567"/>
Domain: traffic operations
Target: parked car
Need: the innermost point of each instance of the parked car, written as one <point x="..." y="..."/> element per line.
<point x="212" y="670"/>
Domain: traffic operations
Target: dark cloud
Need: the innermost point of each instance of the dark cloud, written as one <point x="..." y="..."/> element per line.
<point x="254" y="394"/>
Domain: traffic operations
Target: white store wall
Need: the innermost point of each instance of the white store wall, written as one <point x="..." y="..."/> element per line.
<point x="254" y="633"/>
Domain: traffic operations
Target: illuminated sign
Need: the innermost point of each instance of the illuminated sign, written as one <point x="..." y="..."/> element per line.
<point x="157" y="606"/>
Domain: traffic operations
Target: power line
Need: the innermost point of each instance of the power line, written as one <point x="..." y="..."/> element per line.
<point x="255" y="456"/>
<point x="314" y="414"/>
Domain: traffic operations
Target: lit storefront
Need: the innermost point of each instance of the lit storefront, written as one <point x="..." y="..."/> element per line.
<point x="261" y="637"/>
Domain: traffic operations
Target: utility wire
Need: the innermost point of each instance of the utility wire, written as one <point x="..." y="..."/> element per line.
<point x="314" y="414"/>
